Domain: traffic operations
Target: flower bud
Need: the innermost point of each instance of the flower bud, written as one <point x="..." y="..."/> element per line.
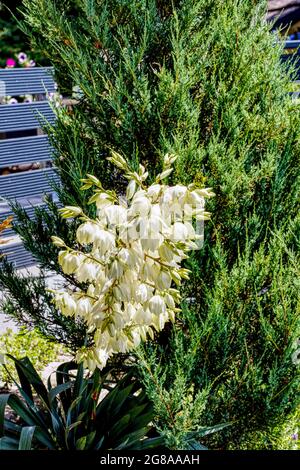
<point x="58" y="242"/>
<point x="130" y="189"/>
<point x="165" y="174"/>
<point x="103" y="201"/>
<point x="169" y="300"/>
<point x="70" y="211"/>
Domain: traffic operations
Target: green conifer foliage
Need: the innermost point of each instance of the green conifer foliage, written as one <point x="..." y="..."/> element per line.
<point x="201" y="79"/>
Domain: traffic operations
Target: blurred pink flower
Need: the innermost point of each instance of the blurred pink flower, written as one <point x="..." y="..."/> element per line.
<point x="10" y="62"/>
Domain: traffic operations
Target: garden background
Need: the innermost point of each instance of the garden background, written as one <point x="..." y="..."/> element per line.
<point x="202" y="80"/>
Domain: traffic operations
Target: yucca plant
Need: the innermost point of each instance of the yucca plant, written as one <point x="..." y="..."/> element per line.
<point x="77" y="412"/>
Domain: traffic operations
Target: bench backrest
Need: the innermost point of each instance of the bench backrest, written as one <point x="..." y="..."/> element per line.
<point x="23" y="146"/>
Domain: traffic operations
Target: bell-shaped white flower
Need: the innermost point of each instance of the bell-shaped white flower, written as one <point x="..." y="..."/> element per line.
<point x="141" y="293"/>
<point x="69" y="261"/>
<point x="147" y="229"/>
<point x="143" y="316"/>
<point x="151" y="270"/>
<point x="191" y="230"/>
<point x="85" y="233"/>
<point x="117" y="293"/>
<point x="126" y="290"/>
<point x="66" y="303"/>
<point x="116" y="270"/>
<point x="119" y="344"/>
<point x="88" y="359"/>
<point x="140" y="206"/>
<point x="195" y="199"/>
<point x="163" y="280"/>
<point x="152" y="241"/>
<point x="116" y="215"/>
<point x="136" y="337"/>
<point x="179" y="191"/>
<point x="204" y="192"/>
<point x="122" y="292"/>
<point x="154" y="190"/>
<point x="99" y="308"/>
<point x="157" y="305"/>
<point x="130" y="277"/>
<point x="179" y="232"/>
<point x="131" y="310"/>
<point x="174" y="193"/>
<point x="84" y="306"/>
<point x="100" y="280"/>
<point x="120" y="319"/>
<point x="87" y="271"/>
<point x="124" y="256"/>
<point x="159" y="321"/>
<point x="101" y="356"/>
<point x="91" y="291"/>
<point x="103" y="241"/>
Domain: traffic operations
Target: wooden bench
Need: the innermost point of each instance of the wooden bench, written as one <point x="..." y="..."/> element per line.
<point x="22" y="144"/>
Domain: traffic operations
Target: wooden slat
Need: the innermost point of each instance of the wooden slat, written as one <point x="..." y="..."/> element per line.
<point x="27" y="81"/>
<point x="25" y="116"/>
<point x="24" y="150"/>
<point x="29" y="205"/>
<point x="292" y="44"/>
<point x="27" y="184"/>
<point x="17" y="255"/>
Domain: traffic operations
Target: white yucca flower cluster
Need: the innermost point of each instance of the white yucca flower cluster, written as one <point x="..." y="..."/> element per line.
<point x="129" y="257"/>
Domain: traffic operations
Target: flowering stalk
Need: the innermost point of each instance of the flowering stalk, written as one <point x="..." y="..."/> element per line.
<point x="129" y="257"/>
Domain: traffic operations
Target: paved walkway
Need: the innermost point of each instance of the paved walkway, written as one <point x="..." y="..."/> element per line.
<point x="52" y="280"/>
